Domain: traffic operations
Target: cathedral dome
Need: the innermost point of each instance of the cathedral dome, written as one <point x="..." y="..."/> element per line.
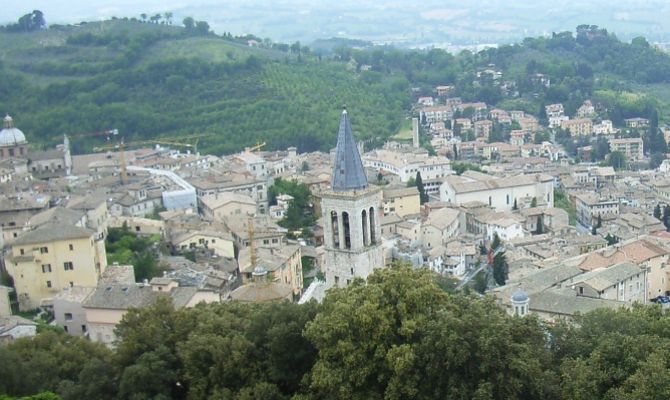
<point x="11" y="136"/>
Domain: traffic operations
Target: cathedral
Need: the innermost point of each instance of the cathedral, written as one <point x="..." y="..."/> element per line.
<point x="351" y="211"/>
<point x="12" y="140"/>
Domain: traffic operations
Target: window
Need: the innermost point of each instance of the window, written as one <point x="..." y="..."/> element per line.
<point x="21" y="251"/>
<point x="68" y="316"/>
<point x="71" y="246"/>
<point x="44" y="250"/>
<point x="337" y="279"/>
<point x="275" y="240"/>
<point x="581" y="290"/>
<point x="83" y="328"/>
<point x="65" y="329"/>
<point x="213" y="241"/>
<point x="266" y="241"/>
<point x="68" y="265"/>
<point x="48" y="284"/>
<point x="46" y="268"/>
<point x="71" y="284"/>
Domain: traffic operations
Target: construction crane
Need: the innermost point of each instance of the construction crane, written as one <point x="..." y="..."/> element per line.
<point x="120" y="147"/>
<point x="108" y="133"/>
<point x="257" y="147"/>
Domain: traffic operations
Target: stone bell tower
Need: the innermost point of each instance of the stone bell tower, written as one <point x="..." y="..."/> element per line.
<point x="351" y="211"/>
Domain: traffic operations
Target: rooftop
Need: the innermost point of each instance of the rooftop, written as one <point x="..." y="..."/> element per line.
<point x="348" y="172"/>
<point x="51" y="233"/>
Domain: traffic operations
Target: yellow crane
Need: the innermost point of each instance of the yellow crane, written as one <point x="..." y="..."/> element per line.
<point x="257" y="147"/>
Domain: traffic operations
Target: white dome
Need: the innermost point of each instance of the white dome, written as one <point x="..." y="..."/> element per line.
<point x="11" y="136"/>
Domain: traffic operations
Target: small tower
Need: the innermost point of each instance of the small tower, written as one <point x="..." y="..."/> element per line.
<point x="415" y="133"/>
<point x="351" y="210"/>
<point x="520" y="303"/>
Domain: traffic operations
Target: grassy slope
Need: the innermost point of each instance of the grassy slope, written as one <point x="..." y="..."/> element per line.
<point x="282" y="102"/>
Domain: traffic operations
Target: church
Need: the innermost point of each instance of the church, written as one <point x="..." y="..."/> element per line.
<point x="352" y="212"/>
<point x="40" y="164"/>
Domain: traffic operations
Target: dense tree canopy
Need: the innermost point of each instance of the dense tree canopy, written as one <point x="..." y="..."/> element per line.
<point x="400" y="335"/>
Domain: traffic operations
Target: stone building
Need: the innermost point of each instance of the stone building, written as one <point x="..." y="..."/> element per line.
<point x="352" y="212"/>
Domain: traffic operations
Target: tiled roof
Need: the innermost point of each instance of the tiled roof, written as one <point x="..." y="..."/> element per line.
<point x="52" y="232"/>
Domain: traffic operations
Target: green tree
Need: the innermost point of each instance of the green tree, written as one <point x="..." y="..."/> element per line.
<point x="189" y="23"/>
<point x="202" y="27"/>
<point x="617" y="160"/>
<point x="657" y="211"/>
<point x="500" y="268"/>
<point x="515" y="206"/>
<point x="400" y="336"/>
<point x="496" y="242"/>
<point x="423" y="196"/>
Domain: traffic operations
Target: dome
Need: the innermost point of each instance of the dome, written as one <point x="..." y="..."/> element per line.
<point x="520" y="297"/>
<point x="11" y="136"/>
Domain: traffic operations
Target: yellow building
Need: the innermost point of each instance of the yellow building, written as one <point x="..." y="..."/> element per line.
<point x="578" y="127"/>
<point x="52" y="257"/>
<point x="402" y="201"/>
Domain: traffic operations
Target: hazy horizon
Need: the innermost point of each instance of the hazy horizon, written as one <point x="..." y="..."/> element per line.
<point x="432" y="22"/>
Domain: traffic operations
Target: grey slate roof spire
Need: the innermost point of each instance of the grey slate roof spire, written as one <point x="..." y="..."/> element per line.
<point x="348" y="172"/>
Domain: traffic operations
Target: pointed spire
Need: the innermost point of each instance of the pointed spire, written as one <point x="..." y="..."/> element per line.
<point x="348" y="172"/>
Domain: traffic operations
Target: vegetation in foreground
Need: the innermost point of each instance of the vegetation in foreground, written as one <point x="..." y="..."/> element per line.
<point x="398" y="336"/>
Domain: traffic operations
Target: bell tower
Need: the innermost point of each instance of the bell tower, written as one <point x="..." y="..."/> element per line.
<point x="351" y="210"/>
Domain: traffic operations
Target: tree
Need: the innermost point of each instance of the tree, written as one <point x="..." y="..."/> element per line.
<point x="515" y="206"/>
<point x="189" y="23"/>
<point x="611" y="240"/>
<point x="617" y="160"/>
<point x="500" y="268"/>
<point x="533" y="202"/>
<point x="657" y="211"/>
<point x="202" y="27"/>
<point x="144" y="17"/>
<point x="600" y="221"/>
<point x="423" y="196"/>
<point x="496" y="242"/>
<point x="168" y="18"/>
<point x="401" y="336"/>
<point x="539" y="230"/>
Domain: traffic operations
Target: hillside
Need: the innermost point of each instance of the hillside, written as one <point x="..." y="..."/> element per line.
<point x="160" y="81"/>
<point x="149" y="81"/>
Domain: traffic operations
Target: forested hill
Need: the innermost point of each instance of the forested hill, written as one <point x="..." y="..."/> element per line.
<point x="150" y="80"/>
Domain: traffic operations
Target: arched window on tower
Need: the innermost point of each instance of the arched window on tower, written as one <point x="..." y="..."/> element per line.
<point x="365" y="228"/>
<point x="336" y="229"/>
<point x="347" y="230"/>
<point x="373" y="230"/>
